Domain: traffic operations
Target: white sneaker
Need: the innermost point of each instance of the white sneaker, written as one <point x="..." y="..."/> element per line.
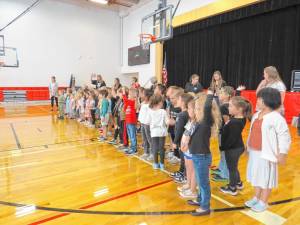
<point x="182" y="188"/>
<point x="169" y="155"/>
<point x="174" y="160"/>
<point x="188" y="194"/>
<point x="145" y="156"/>
<point x="150" y="158"/>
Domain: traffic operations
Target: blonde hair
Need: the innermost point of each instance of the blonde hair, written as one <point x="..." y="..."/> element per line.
<point x="215" y="111"/>
<point x="213" y="85"/>
<point x="244" y="104"/>
<point x="273" y="73"/>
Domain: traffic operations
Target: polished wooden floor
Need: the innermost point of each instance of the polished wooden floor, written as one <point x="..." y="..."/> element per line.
<point x="49" y="168"/>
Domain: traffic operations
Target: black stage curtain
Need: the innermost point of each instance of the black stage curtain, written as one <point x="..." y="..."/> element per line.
<point x="239" y="43"/>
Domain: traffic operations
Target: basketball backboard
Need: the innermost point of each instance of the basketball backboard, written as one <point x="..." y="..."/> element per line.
<point x="10" y="58"/>
<point x="2" y="50"/>
<point x="158" y="25"/>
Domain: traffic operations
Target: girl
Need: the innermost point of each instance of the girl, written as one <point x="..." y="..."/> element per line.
<point x="158" y="120"/>
<point x="134" y="83"/>
<point x="72" y="107"/>
<point x="232" y="142"/>
<point x="90" y="105"/>
<point x="145" y="126"/>
<point x="117" y="85"/>
<point x="104" y="115"/>
<point x="53" y="91"/>
<point x="208" y="119"/>
<point x="80" y="107"/>
<point x="68" y="93"/>
<point x="188" y="190"/>
<point x="268" y="144"/>
<point x="87" y="110"/>
<point x="216" y="84"/>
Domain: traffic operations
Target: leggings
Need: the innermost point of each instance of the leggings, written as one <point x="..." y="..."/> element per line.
<point x="158" y="144"/>
<point x="53" y="98"/>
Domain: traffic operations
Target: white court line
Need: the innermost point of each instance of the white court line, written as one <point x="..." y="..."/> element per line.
<point x="266" y="217"/>
<point x="21" y="165"/>
<point x="17" y="153"/>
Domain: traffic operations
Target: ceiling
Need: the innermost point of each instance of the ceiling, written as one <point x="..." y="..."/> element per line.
<point x="115" y="5"/>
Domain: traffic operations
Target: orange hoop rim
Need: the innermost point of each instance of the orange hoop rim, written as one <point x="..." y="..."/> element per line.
<point x="148" y="37"/>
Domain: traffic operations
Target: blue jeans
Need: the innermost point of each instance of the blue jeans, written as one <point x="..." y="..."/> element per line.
<point x="202" y="163"/>
<point x="224" y="172"/>
<point x="131" y="131"/>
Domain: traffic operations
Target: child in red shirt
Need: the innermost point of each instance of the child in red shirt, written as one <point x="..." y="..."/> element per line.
<point x="130" y="104"/>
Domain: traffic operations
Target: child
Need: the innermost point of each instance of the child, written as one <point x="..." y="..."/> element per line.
<point x="134" y="83"/>
<point x="68" y="93"/>
<point x="145" y="125"/>
<point x="90" y="106"/>
<point x="268" y="144"/>
<point x="61" y="104"/>
<point x="222" y="173"/>
<point x="130" y="103"/>
<point x="111" y="105"/>
<point x="188" y="190"/>
<point x="122" y="121"/>
<point x="158" y="119"/>
<point x="72" y="106"/>
<point x="232" y="142"/>
<point x="208" y="119"/>
<point x="104" y="115"/>
<point x="181" y="121"/>
<point x="160" y="90"/>
<point x="115" y="116"/>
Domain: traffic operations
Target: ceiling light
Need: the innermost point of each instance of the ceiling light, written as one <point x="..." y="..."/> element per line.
<point x="99" y="1"/>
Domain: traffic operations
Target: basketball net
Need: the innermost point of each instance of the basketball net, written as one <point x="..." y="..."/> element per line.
<point x="146" y="40"/>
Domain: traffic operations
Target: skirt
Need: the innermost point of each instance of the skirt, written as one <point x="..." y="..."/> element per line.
<point x="261" y="172"/>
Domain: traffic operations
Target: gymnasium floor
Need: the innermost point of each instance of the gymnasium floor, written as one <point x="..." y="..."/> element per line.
<point x="55" y="172"/>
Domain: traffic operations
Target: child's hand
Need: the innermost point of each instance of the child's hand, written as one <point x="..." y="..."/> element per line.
<point x="171" y="122"/>
<point x="174" y="146"/>
<point x="209" y="92"/>
<point x="281" y="159"/>
<point x="241" y="88"/>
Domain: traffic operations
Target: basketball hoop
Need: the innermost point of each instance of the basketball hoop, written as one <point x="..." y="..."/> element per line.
<point x="146" y="40"/>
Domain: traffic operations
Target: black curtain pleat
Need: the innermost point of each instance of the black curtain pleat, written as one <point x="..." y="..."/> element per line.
<point x="239" y="44"/>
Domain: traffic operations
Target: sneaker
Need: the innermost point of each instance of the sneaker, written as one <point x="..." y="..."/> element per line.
<point x="188" y="194"/>
<point x="176" y="174"/>
<point x="131" y="152"/>
<point x="180" y="180"/>
<point x="201" y="212"/>
<point x="260" y="206"/>
<point x="144" y="156"/>
<point x="112" y="142"/>
<point x="109" y="133"/>
<point x="229" y="190"/>
<point x="174" y="160"/>
<point x="161" y="166"/>
<point x="218" y="178"/>
<point x="193" y="202"/>
<point x="239" y="186"/>
<point x="182" y="188"/>
<point x="150" y="158"/>
<point x="155" y="166"/>
<point x="252" y="202"/>
<point x="102" y="139"/>
<point x="169" y="155"/>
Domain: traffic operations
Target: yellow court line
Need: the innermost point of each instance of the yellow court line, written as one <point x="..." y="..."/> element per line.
<point x="267" y="217"/>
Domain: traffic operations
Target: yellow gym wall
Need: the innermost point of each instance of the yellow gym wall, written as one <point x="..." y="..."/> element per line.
<point x="215" y="8"/>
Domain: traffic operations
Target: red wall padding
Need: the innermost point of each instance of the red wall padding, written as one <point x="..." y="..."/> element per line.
<point x="291" y="103"/>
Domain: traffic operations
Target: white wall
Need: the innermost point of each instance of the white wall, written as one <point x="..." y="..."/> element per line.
<point x="132" y="28"/>
<point x="60" y="39"/>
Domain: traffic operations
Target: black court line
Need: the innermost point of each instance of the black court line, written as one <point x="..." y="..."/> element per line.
<point x="124" y="213"/>
<point x="47" y="145"/>
<point x="16" y="136"/>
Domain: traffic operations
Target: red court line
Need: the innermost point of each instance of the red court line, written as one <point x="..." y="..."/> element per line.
<point x="101" y="202"/>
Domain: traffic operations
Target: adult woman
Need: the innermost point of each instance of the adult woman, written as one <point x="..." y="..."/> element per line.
<point x="272" y="79"/>
<point x="99" y="82"/>
<point x="217" y="83"/>
<point x="53" y="92"/>
<point x="194" y="85"/>
<point x="117" y="85"/>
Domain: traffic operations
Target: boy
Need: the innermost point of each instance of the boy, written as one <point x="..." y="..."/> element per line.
<point x="130" y="103"/>
<point x="222" y="174"/>
<point x="104" y="115"/>
<point x="61" y="104"/>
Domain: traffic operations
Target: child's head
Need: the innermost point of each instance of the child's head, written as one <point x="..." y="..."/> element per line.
<point x="175" y="96"/>
<point x="134" y="80"/>
<point x="194" y="79"/>
<point x="191" y="110"/>
<point x="160" y="89"/>
<point x="183" y="100"/>
<point x="226" y="93"/>
<point x="239" y="106"/>
<point x="103" y="93"/>
<point x="60" y="92"/>
<point x="53" y="79"/>
<point x="92" y="96"/>
<point x="268" y="98"/>
<point x="156" y="102"/>
<point x="147" y="94"/>
<point x="109" y="91"/>
<point x="132" y="93"/>
<point x="215" y="111"/>
<point x="217" y="76"/>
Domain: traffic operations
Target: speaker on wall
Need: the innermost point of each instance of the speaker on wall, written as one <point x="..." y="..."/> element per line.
<point x="138" y="56"/>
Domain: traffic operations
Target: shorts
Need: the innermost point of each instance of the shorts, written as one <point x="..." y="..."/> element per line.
<point x="105" y="120"/>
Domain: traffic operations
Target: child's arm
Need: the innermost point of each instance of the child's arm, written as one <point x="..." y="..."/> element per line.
<point x="179" y="129"/>
<point x="104" y="108"/>
<point x="185" y="140"/>
<point x="284" y="140"/>
<point x="207" y="108"/>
